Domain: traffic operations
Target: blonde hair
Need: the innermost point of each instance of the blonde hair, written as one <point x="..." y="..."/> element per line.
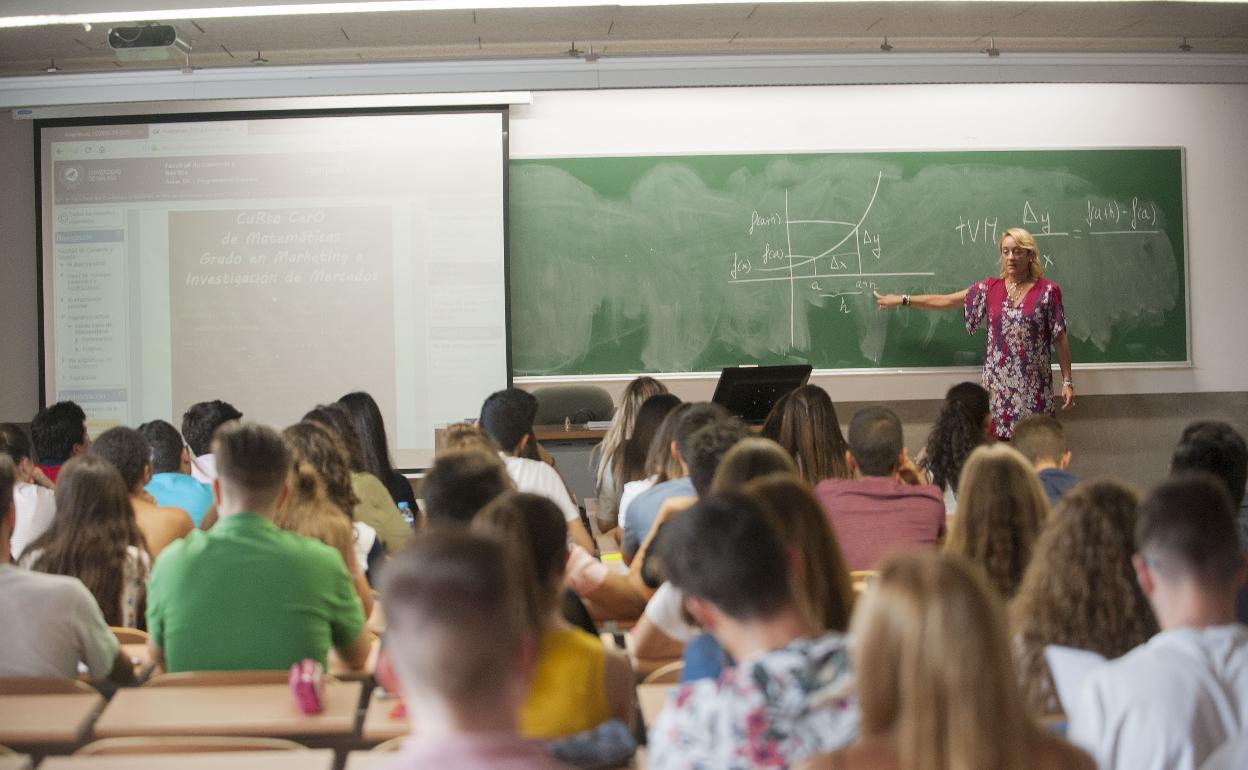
<point x="621" y="426"/>
<point x="308" y="511"/>
<point x="933" y="666"/>
<point x="461" y="435"/>
<point x="822" y="589"/>
<point x="1001" y="508"/>
<point x="1025" y="240"/>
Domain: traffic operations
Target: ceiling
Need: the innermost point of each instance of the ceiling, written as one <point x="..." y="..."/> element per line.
<point x="738" y="28"/>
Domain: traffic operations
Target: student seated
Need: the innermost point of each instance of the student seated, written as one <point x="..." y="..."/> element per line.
<point x="644" y="509"/>
<point x="59" y="432"/>
<point x="245" y="594"/>
<point x="1171" y="702"/>
<point x="577" y="683"/>
<point x="1217" y="448"/>
<point x="130" y="454"/>
<point x="934" y="678"/>
<point x="1079" y="589"/>
<point x="32" y="494"/>
<point x="507" y="418"/>
<point x="885" y="507"/>
<point x="96" y="539"/>
<point x="606" y="456"/>
<point x="459" y="641"/>
<point x="461" y="483"/>
<point x="199" y="423"/>
<point x="964" y="423"/>
<point x="371" y="429"/>
<point x="790" y="695"/>
<point x="804" y="422"/>
<point x="645" y="459"/>
<point x="1042" y="440"/>
<point x="1001" y="509"/>
<point x="171" y="484"/>
<point x="52" y="622"/>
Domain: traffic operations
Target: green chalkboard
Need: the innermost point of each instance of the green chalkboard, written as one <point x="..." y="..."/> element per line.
<point x="690" y="263"/>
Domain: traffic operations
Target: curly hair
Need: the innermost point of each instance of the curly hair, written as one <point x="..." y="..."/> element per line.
<point x="1001" y="509"/>
<point x="958" y="429"/>
<point x="318" y="446"/>
<point x="1080" y="589"/>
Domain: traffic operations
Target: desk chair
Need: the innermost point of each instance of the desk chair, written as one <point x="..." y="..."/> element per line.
<point x="44" y="685"/>
<point x="190" y="744"/>
<point x="220" y="678"/>
<point x="578" y="403"/>
<point x="668" y="673"/>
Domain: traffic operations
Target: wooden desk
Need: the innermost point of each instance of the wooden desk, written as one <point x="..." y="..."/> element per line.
<point x="255" y="709"/>
<point x="15" y="762"/>
<point x="370" y="760"/>
<point x="652" y="698"/>
<point x="378" y="724"/>
<point x="47" y="720"/>
<point x="576" y="432"/>
<point x="310" y="759"/>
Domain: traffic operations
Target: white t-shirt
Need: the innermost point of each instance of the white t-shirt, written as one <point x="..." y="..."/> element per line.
<point x="51" y="624"/>
<point x="539" y="478"/>
<point x="204" y="468"/>
<point x="664" y="611"/>
<point x="36" y="507"/>
<point x="631" y="491"/>
<point x="1167" y="704"/>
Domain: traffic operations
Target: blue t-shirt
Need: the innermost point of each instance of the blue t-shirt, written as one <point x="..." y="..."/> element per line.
<point x="181" y="491"/>
<point x="1056" y="481"/>
<point x="645" y="509"/>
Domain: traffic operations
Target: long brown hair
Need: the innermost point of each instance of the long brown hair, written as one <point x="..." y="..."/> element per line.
<point x="93" y="528"/>
<point x="933" y="667"/>
<point x="632" y="459"/>
<point x="318" y="446"/>
<point x="535" y="535"/>
<point x="804" y="422"/>
<point x="308" y="511"/>
<point x="1001" y="508"/>
<point x="823" y="590"/>
<point x="1080" y="588"/>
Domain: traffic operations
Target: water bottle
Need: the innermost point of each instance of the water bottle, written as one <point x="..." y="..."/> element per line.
<point x="405" y="509"/>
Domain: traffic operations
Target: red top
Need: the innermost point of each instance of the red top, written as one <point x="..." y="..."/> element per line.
<point x="878" y="515"/>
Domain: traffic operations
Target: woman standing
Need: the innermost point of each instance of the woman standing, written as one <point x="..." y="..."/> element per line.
<point x="1025" y="319"/>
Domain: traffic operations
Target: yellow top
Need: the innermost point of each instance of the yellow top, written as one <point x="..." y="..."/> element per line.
<point x="569" y="689"/>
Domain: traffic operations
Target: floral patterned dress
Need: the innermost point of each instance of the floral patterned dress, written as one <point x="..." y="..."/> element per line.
<point x="766" y="712"/>
<point x="1018" y="360"/>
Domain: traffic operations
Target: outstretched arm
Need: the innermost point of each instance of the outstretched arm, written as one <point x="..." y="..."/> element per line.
<point x="921" y="301"/>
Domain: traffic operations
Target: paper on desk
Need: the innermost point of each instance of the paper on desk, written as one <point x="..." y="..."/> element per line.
<point x="1069" y="667"/>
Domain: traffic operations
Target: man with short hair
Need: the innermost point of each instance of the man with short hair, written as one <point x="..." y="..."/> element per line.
<point x="1173" y="700"/>
<point x="171" y="483"/>
<point x="643" y="511"/>
<point x="199" y="422"/>
<point x="1042" y="440"/>
<point x="885" y="508"/>
<point x="130" y="454"/>
<point x="789" y="695"/>
<point x="246" y="594"/>
<point x="462" y="482"/>
<point x="1217" y="448"/>
<point x="507" y="418"/>
<point x="457" y="639"/>
<point x="59" y="432"/>
<point x="35" y="503"/>
<point x="51" y="622"/>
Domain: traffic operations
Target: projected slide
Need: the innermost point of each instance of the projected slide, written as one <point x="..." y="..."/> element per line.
<point x="276" y="264"/>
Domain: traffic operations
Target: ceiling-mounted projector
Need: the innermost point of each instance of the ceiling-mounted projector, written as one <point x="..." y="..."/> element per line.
<point x="150" y="42"/>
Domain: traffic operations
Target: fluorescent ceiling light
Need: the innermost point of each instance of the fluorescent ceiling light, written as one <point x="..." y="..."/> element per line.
<point x="381" y="6"/>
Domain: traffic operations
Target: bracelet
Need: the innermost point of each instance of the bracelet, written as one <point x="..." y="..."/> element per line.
<point x="905" y="300"/>
<point x="1068" y="383"/>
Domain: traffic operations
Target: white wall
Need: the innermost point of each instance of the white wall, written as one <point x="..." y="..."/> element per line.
<point x="1210" y="121"/>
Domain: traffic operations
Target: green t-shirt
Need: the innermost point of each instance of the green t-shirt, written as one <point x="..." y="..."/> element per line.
<point x="247" y="595"/>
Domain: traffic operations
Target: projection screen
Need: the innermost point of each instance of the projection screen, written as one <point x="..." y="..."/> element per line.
<point x="276" y="263"/>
